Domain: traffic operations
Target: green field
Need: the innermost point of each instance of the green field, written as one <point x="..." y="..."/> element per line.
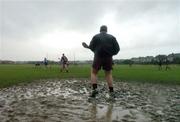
<point x="14" y="74"/>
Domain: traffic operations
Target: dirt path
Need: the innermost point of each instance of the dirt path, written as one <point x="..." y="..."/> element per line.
<point x="67" y="101"/>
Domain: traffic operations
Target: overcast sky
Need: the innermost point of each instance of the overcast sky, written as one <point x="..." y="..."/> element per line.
<point x="34" y="29"/>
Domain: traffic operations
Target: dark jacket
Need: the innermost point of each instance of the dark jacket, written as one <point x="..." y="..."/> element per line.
<point x="104" y="45"/>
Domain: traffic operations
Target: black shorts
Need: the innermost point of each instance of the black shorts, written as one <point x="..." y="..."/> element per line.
<point x="105" y="62"/>
<point x="65" y="63"/>
<point x="45" y="63"/>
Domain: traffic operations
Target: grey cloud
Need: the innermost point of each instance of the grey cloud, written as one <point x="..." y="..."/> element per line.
<point x="21" y="19"/>
<point x="155" y="20"/>
<point x="156" y="23"/>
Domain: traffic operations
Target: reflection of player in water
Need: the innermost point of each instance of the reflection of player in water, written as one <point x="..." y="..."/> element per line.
<point x="97" y="113"/>
<point x="64" y="61"/>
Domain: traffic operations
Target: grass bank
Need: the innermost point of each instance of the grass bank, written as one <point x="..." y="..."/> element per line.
<point x="14" y="74"/>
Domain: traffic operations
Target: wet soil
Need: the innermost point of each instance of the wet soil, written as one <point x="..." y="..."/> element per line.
<point x="67" y="101"/>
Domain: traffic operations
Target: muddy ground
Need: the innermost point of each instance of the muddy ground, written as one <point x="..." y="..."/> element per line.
<point x="67" y="101"/>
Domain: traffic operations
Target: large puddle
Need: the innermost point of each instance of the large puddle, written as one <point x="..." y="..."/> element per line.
<point x="67" y="101"/>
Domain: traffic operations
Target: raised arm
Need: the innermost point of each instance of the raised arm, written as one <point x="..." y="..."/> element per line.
<point x="85" y="45"/>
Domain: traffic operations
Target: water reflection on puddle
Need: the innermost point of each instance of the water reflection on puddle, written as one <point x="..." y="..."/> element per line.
<point x="109" y="113"/>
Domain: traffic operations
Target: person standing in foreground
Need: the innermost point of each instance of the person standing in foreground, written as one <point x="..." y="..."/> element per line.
<point x="104" y="47"/>
<point x="64" y="61"/>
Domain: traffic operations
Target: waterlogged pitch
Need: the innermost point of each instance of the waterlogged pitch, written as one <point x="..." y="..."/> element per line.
<point x="67" y="101"/>
<point x="143" y="94"/>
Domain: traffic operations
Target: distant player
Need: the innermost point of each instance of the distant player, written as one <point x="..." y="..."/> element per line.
<point x="167" y="62"/>
<point x="45" y="62"/>
<point x="104" y="47"/>
<point x="64" y="62"/>
<point x="160" y="65"/>
<point x="37" y="64"/>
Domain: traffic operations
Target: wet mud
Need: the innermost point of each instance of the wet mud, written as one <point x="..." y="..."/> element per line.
<point x="67" y="101"/>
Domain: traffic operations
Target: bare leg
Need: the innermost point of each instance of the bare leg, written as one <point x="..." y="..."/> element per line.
<point x="94" y="82"/>
<point x="108" y="75"/>
<point x="62" y="67"/>
<point x="94" y="76"/>
<point x="66" y="67"/>
<point x="109" y="79"/>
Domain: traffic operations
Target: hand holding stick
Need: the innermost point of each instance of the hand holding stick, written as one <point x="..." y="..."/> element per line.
<point x="85" y="45"/>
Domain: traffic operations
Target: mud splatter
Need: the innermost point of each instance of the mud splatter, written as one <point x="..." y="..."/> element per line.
<point x="67" y="100"/>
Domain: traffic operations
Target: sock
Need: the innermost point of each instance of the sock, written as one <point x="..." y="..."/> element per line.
<point x="111" y="89"/>
<point x="94" y="86"/>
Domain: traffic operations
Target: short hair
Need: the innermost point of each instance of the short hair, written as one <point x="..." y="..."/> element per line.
<point x="103" y="28"/>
